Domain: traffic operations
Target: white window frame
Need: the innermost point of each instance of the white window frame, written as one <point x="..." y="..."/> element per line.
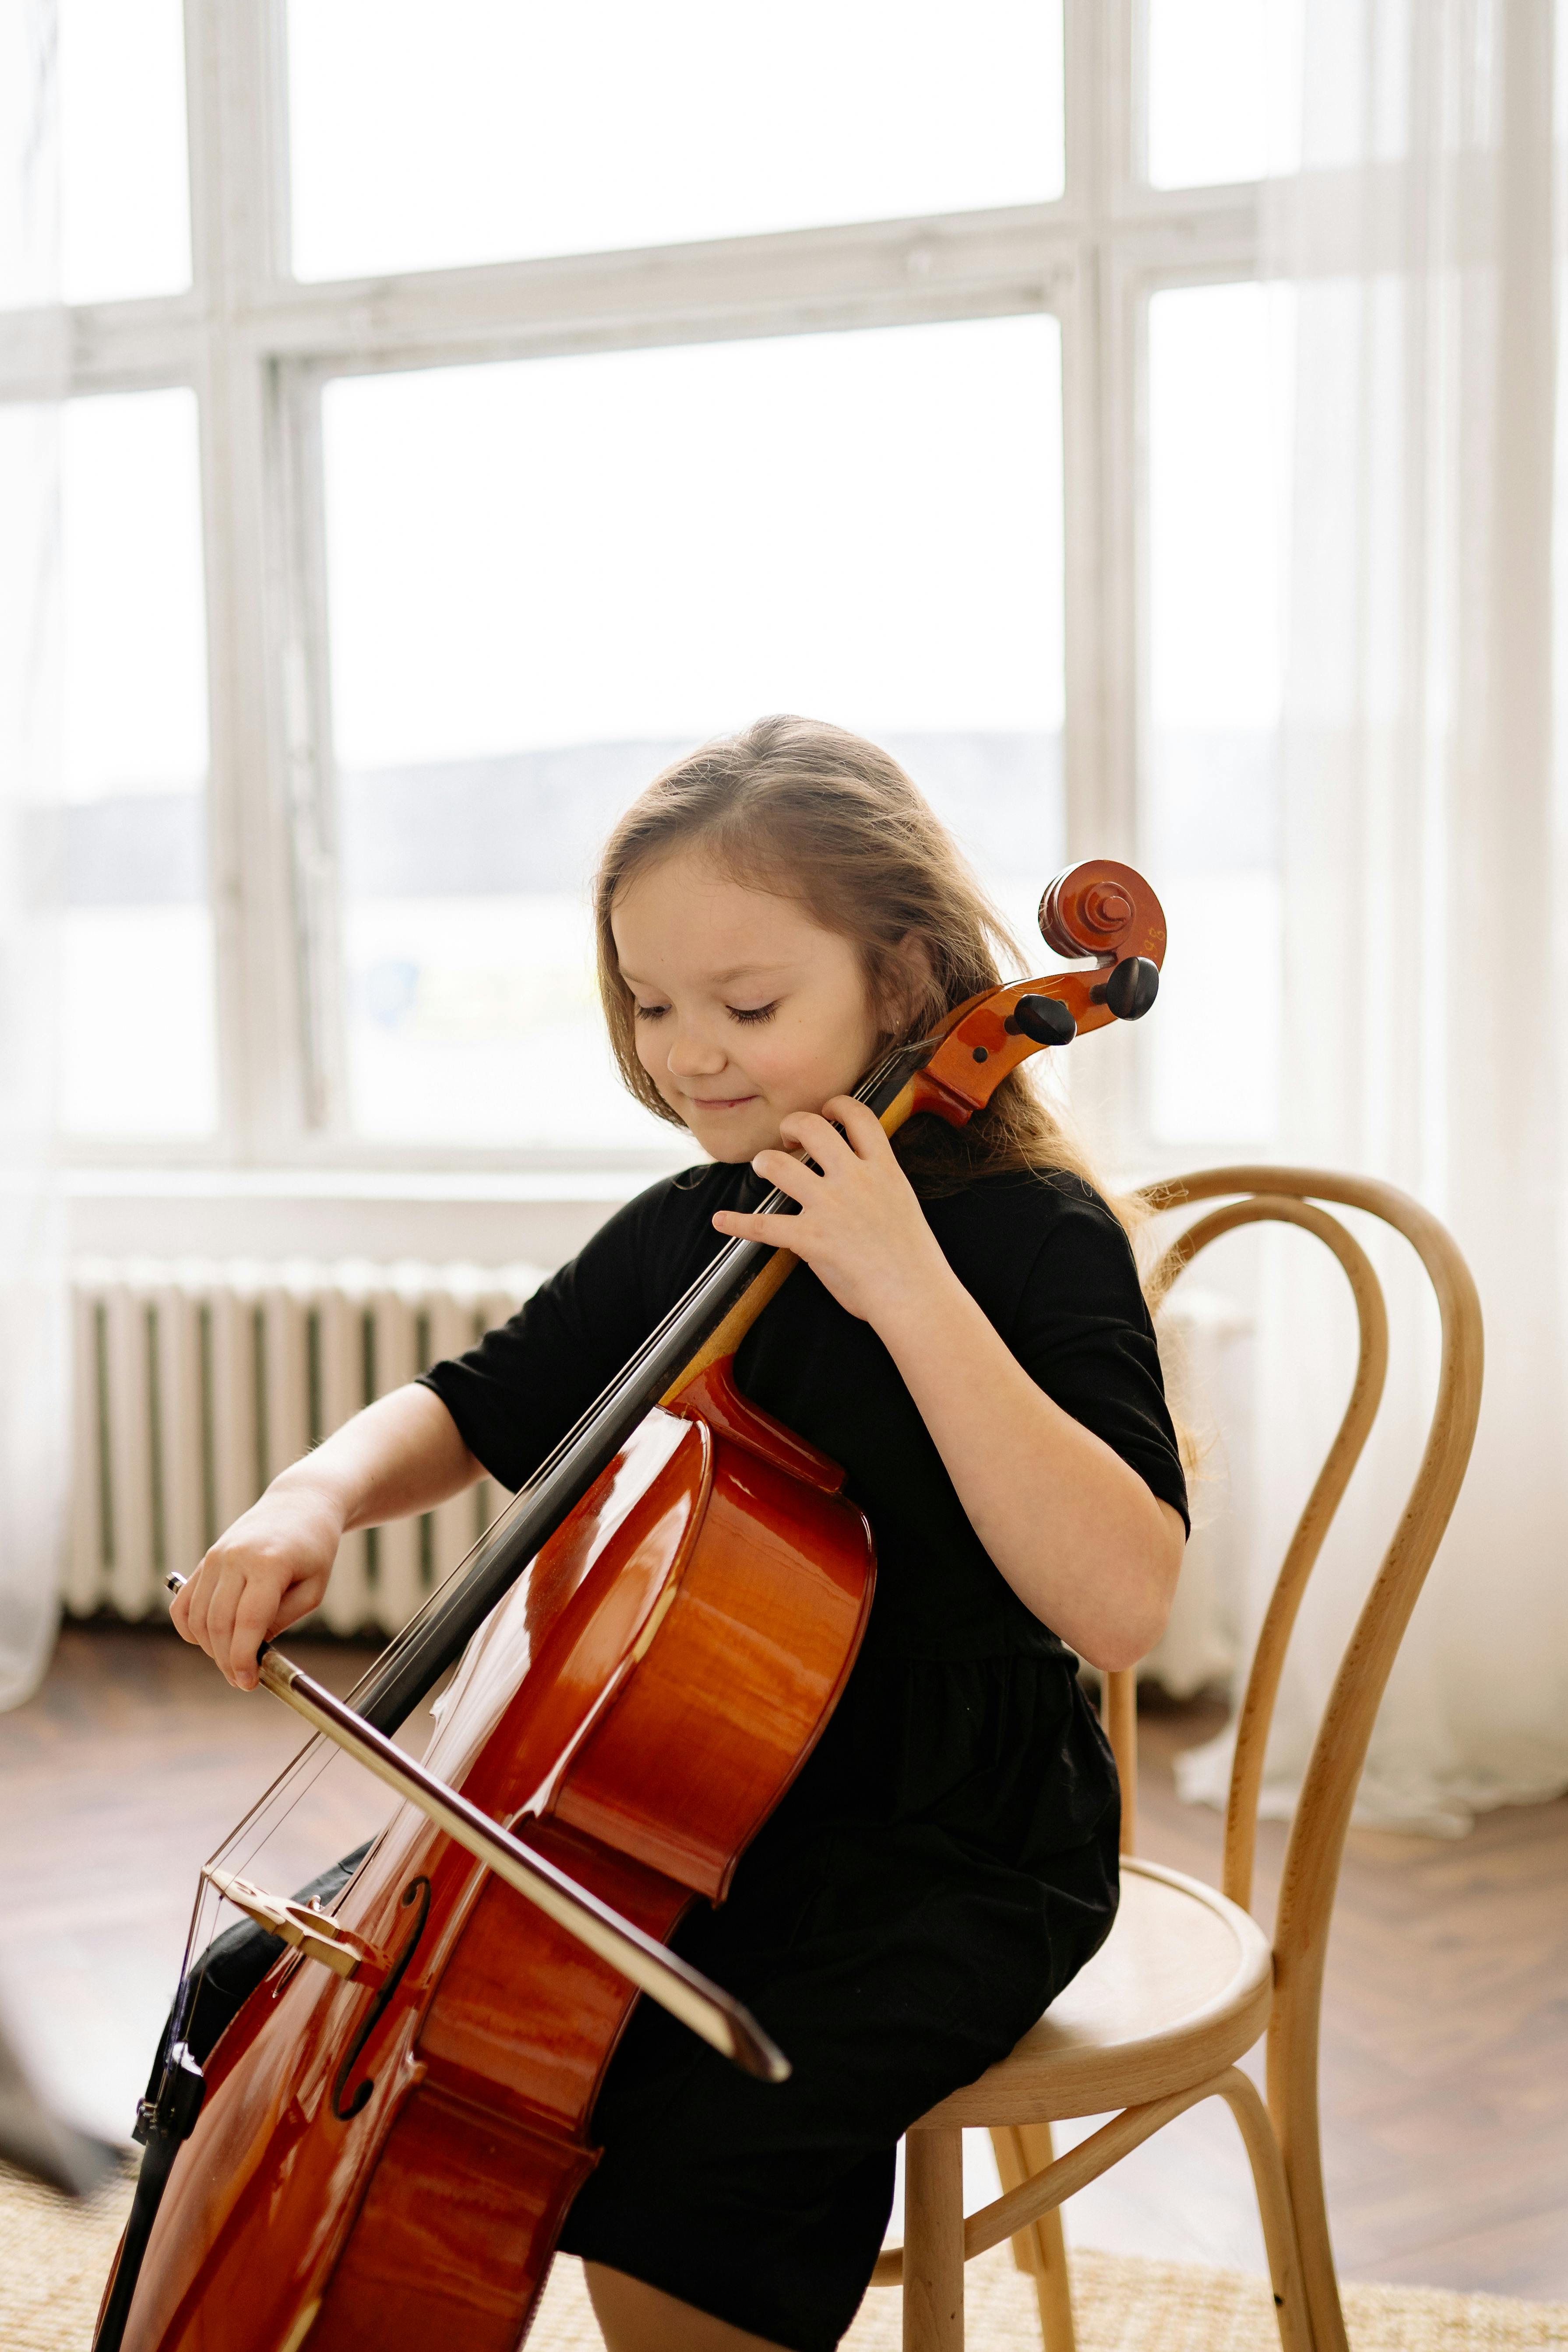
<point x="255" y="346"/>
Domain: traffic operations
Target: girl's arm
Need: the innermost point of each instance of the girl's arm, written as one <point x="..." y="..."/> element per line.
<point x="1075" y="1531"/>
<point x="399" y="1456"/>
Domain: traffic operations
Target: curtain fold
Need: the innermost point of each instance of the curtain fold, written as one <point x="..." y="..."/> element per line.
<point x="1422" y="863"/>
<point x="34" y="1333"/>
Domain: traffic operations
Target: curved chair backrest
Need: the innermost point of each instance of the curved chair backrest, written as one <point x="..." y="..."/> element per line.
<point x="1291" y="1196"/>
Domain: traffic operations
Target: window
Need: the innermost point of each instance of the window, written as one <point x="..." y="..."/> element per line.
<point x="125" y="225"/>
<point x="488" y="402"/>
<point x="139" y="1054"/>
<point x="1209" y="88"/>
<point x="488" y="129"/>
<point x="1217" y="357"/>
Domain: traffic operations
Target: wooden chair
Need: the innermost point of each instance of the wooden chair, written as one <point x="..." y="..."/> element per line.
<point x="1187" y="1980"/>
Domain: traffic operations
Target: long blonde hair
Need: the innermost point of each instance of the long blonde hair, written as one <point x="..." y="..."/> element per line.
<point x="820" y="815"/>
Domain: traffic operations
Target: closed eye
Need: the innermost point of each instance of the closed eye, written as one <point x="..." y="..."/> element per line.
<point x="649" y="1012"/>
<point x="753" y="1013"/>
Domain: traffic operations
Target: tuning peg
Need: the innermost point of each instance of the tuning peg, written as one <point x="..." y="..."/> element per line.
<point x="1131" y="989"/>
<point x="1045" y="1019"/>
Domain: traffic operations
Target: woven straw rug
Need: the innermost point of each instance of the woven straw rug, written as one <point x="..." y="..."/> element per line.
<point x="54" y="2256"/>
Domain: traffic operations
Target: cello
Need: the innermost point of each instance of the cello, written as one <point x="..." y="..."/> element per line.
<point x="384" y="2142"/>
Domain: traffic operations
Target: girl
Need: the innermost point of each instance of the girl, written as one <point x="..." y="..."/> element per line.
<point x="967" y="1337"/>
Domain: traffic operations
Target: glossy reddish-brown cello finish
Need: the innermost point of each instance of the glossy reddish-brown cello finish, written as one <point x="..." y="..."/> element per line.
<point x="634" y="1708"/>
<point x="385" y="2167"/>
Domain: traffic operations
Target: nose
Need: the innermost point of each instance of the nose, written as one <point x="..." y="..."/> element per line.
<point x="693" y="1055"/>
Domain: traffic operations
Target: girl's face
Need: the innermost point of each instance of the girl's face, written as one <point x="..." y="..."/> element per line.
<point x="745" y="1009"/>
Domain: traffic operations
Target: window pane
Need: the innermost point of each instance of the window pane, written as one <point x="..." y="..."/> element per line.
<point x="486" y="129"/>
<point x="139" y="1046"/>
<point x="549" y="578"/>
<point x="29" y="241"/>
<point x="1218" y="363"/>
<point x="1208" y="89"/>
<point x="125" y="207"/>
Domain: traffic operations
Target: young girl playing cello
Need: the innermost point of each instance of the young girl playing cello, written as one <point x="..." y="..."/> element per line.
<point x="968" y="1339"/>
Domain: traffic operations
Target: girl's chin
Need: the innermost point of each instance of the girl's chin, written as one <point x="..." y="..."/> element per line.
<point x="735" y="1150"/>
<point x="735" y="1141"/>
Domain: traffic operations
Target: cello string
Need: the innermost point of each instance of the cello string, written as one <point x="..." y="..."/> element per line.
<point x="264" y="1817"/>
<point x="269" y="1812"/>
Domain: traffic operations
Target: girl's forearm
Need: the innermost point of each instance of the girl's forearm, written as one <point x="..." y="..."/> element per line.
<point x="401" y="1456"/>
<point x="1076" y="1533"/>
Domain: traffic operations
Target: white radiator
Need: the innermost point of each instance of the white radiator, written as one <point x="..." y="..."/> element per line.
<point x="195" y="1383"/>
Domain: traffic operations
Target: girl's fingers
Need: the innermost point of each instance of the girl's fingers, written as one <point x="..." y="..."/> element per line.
<point x="866" y="1133"/>
<point x="239" y="1610"/>
<point x="180" y="1607"/>
<point x="252" y="1624"/>
<point x="786" y="1174"/>
<point x="775" y="1230"/>
<point x="222" y="1601"/>
<point x="818" y="1136"/>
<point x="196" y="1596"/>
<point x="247" y="1588"/>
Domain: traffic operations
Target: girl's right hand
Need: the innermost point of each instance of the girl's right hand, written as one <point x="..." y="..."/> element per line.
<point x="263" y="1574"/>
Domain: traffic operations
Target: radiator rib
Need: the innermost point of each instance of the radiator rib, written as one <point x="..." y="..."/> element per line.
<point x="196" y="1383"/>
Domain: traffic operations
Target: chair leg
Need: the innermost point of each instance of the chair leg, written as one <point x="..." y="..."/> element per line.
<point x="1022" y="2150"/>
<point x="1304" y="2186"/>
<point x="933" y="2241"/>
<point x="1297" y="2332"/>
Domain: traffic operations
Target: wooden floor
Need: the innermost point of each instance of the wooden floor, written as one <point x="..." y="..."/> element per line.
<point x="1446" y="2024"/>
<point x="1445" y="2051"/>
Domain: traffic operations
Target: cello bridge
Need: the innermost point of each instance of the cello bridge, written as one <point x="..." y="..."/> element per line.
<point x="315" y="1933"/>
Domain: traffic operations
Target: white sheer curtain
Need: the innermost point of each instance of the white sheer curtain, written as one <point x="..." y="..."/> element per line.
<point x="1423" y="860"/>
<point x="34" y="1395"/>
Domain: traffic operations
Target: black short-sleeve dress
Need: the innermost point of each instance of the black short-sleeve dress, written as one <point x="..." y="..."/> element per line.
<point x="946" y="1861"/>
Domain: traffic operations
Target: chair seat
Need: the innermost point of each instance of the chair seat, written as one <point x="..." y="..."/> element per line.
<point x="1180" y="1987"/>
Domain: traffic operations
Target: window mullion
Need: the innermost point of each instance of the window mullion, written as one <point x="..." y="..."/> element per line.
<point x="1096" y="408"/>
<point x="299" y="619"/>
<point x="225" y="862"/>
<point x="271" y="1092"/>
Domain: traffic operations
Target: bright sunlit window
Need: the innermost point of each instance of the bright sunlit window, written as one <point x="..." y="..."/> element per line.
<point x="1208" y="90"/>
<point x="1218" y="361"/>
<point x="125" y="225"/>
<point x="485" y="129"/>
<point x="138" y="1057"/>
<point x="547" y="579"/>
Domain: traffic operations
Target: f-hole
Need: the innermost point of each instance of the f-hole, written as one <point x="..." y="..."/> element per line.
<point x="416" y="1891"/>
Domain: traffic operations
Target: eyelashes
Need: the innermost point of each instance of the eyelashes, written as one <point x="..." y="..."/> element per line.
<point x="737" y="1013"/>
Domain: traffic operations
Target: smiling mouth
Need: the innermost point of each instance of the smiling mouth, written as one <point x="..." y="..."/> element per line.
<point x="720" y="1102"/>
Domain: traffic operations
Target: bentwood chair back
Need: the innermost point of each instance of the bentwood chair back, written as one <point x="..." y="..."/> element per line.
<point x="1187" y="1980"/>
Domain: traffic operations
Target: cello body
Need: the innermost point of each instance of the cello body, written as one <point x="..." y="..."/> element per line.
<point x="383" y="2161"/>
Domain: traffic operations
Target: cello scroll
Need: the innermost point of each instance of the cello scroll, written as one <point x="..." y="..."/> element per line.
<point x="1099" y="909"/>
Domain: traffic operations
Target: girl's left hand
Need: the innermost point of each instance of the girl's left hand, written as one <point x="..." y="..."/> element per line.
<point x="860" y="1228"/>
